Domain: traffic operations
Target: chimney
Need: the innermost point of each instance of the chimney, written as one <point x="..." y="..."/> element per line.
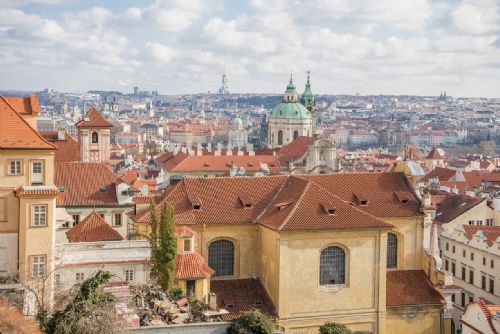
<point x="240" y="152"/>
<point x="454" y="190"/>
<point x="35" y="107"/>
<point x="209" y="147"/>
<point x="250" y="150"/>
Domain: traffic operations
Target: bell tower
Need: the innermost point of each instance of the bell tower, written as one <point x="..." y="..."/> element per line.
<point x="94" y="133"/>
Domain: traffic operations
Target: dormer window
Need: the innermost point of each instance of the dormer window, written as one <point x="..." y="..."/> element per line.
<point x="246" y="201"/>
<point x="402" y="197"/>
<point x="282" y="205"/>
<point x="196" y="203"/>
<point x="328" y="209"/>
<point x="197" y="206"/>
<point x="360" y="199"/>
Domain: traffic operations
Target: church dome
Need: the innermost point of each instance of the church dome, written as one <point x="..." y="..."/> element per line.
<point x="290" y="110"/>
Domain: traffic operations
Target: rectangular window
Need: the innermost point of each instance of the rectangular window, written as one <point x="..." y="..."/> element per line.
<point x="80" y="277"/>
<point x="483" y="282"/>
<point x="129" y="275"/>
<point x="471" y="299"/>
<point x="118" y="219"/>
<point x="37" y="168"/>
<point x="471" y="222"/>
<point x="453" y="297"/>
<point x="453" y="249"/>
<point x="471" y="277"/>
<point x="463" y="274"/>
<point x="447" y="246"/>
<point x="57" y="279"/>
<point x="39" y="215"/>
<point x="492" y="285"/>
<point x="492" y="264"/>
<point x="187" y="245"/>
<point x="446" y="264"/>
<point x="484" y="261"/>
<point x="463" y="299"/>
<point x="76" y="220"/>
<point x="480" y="222"/>
<point x="472" y="256"/>
<point x="489" y="221"/>
<point x="453" y="268"/>
<point x="38" y="265"/>
<point x="15" y="167"/>
<point x="464" y="253"/>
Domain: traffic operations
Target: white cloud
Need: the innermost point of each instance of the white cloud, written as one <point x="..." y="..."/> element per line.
<point x="162" y="53"/>
<point x="477" y="17"/>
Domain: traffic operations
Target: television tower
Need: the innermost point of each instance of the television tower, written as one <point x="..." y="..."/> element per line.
<point x="223" y="90"/>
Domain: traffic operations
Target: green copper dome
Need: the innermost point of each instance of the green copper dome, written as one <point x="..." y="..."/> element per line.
<point x="307" y="97"/>
<point x="290" y="110"/>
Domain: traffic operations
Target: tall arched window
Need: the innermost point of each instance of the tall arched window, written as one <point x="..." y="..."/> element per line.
<point x="332" y="266"/>
<point x="295" y="134"/>
<point x="280" y="137"/>
<point x="392" y="250"/>
<point x="221" y="257"/>
<point x="95" y="138"/>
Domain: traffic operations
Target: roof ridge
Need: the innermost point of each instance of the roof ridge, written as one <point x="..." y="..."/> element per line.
<point x="264" y="210"/>
<point x="25" y="122"/>
<point x="296" y="204"/>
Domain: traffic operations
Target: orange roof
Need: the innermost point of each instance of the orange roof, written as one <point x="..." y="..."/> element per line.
<point x="191" y="265"/>
<point x="93" y="119"/>
<point x="294" y="150"/>
<point x="442" y="174"/>
<point x="16" y="133"/>
<point x="86" y="184"/>
<point x="411" y="287"/>
<point x="93" y="228"/>
<point x="37" y="191"/>
<point x="68" y="149"/>
<point x="214" y="163"/>
<point x="24" y="105"/>
<point x="490" y="232"/>
<point x="184" y="232"/>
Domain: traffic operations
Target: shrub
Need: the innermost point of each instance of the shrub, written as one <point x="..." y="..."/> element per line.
<point x="176" y="293"/>
<point x="334" y="328"/>
<point x="251" y="322"/>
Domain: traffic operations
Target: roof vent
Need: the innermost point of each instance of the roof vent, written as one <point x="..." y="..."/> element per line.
<point x="229" y="305"/>
<point x="402" y="197"/>
<point x="360" y="198"/>
<point x="246" y="201"/>
<point x="259" y="303"/>
<point x="196" y="203"/>
<point x="282" y="205"/>
<point x="328" y="209"/>
<point x="61" y="188"/>
<point x="102" y="188"/>
<point x="205" y="164"/>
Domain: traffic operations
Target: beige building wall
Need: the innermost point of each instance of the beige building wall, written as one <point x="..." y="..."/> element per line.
<point x="415" y="320"/>
<point x="410" y="241"/>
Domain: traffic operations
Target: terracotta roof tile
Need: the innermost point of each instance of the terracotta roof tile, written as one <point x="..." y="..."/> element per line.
<point x="16" y="133"/>
<point x="434" y="154"/>
<point x="93" y="228"/>
<point x="294" y="150"/>
<point x="68" y="149"/>
<point x="191" y="265"/>
<point x="221" y="163"/>
<point x="411" y="287"/>
<point x="240" y="295"/>
<point x="491" y="233"/>
<point x="87" y="184"/>
<point x="37" y="191"/>
<point x="442" y="174"/>
<point x="24" y="105"/>
<point x="455" y="205"/>
<point x="184" y="232"/>
<point x="95" y="120"/>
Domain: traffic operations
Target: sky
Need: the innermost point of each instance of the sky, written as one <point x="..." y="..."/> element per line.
<point x="415" y="47"/>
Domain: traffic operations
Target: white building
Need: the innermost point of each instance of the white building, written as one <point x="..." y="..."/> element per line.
<point x="237" y="136"/>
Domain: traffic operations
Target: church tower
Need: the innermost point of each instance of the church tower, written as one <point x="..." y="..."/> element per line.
<point x="94" y="133"/>
<point x="307" y="100"/>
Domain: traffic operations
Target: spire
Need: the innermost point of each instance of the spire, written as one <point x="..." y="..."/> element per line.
<point x="307" y="98"/>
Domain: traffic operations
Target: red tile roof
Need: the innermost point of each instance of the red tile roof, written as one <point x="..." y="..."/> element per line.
<point x="411" y="287"/>
<point x="24" y="105"/>
<point x="37" y="191"/>
<point x="191" y="265"/>
<point x="222" y="163"/>
<point x="240" y="295"/>
<point x="16" y="133"/>
<point x="95" y="120"/>
<point x="294" y="150"/>
<point x="491" y="233"/>
<point x="68" y="149"/>
<point x="442" y="174"/>
<point x="488" y="311"/>
<point x="434" y="154"/>
<point x="455" y="205"/>
<point x="184" y="232"/>
<point x="93" y="228"/>
<point x="85" y="184"/>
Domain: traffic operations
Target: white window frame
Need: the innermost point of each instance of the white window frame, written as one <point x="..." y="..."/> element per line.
<point x="39" y="216"/>
<point x="114" y="220"/>
<point x="38" y="263"/>
<point x="57" y="279"/>
<point x="79" y="277"/>
<point x="16" y="167"/>
<point x="129" y="275"/>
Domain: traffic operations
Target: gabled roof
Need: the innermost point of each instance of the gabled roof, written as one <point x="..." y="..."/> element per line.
<point x="491" y="233"/>
<point x="434" y="154"/>
<point x="240" y="295"/>
<point x="294" y="150"/>
<point x="304" y="205"/>
<point x="67" y="149"/>
<point x="455" y="205"/>
<point x="85" y="184"/>
<point x="191" y="265"/>
<point x="93" y="228"/>
<point x="489" y="312"/>
<point x="442" y="174"/>
<point x="411" y="287"/>
<point x="16" y="133"/>
<point x="93" y="119"/>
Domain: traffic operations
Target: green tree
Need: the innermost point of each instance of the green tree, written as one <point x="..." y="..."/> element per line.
<point x="334" y="328"/>
<point x="251" y="322"/>
<point x="91" y="310"/>
<point x="163" y="246"/>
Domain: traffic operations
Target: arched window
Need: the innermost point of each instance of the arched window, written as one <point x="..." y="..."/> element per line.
<point x="295" y="134"/>
<point x="95" y="138"/>
<point x="280" y="137"/>
<point x="392" y="250"/>
<point x="332" y="266"/>
<point x="221" y="257"/>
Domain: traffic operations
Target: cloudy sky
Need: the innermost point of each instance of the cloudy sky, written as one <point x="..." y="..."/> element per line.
<point x="418" y="47"/>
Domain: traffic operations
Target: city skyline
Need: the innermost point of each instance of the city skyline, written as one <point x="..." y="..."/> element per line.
<point x="393" y="47"/>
